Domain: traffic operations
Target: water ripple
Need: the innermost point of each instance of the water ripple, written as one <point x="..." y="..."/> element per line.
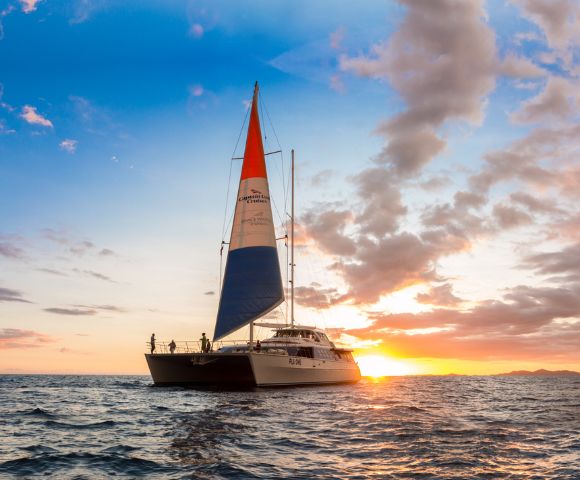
<point x="75" y="427"/>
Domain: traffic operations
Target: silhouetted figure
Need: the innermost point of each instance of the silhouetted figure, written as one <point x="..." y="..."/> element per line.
<point x="172" y="346"/>
<point x="204" y="343"/>
<point x="152" y="342"/>
<point x="258" y="346"/>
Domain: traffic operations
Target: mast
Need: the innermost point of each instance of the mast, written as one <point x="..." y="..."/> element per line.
<point x="292" y="248"/>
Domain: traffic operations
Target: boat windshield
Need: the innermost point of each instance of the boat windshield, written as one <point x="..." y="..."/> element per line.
<point x="296" y="334"/>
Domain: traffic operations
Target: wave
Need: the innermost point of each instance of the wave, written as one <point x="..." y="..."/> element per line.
<point x="38" y="412"/>
<point x="110" y="464"/>
<point x="82" y="426"/>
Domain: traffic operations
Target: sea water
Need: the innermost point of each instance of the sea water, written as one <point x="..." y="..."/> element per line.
<point x="90" y="427"/>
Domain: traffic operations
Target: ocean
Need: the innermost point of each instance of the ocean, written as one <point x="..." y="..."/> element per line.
<point x="93" y="427"/>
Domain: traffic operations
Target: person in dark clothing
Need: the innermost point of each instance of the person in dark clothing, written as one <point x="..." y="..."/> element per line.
<point x="204" y="343"/>
<point x="152" y="342"/>
<point x="172" y="346"/>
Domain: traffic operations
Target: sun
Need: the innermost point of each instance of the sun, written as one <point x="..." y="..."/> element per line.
<point x="381" y="366"/>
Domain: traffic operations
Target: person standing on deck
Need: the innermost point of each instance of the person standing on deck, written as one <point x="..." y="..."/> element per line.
<point x="152" y="342"/>
<point x="172" y="346"/>
<point x="204" y="341"/>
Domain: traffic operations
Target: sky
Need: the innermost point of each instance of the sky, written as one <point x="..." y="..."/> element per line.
<point x="437" y="175"/>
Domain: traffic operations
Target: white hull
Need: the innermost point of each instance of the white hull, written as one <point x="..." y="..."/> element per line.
<point x="248" y="369"/>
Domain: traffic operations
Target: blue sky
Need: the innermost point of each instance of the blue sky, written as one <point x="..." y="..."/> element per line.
<point x="118" y="121"/>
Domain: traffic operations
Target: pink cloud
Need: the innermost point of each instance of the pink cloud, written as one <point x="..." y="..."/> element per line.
<point x="14" y="338"/>
<point x="30" y="114"/>
<point x="196" y="30"/>
<point x="521" y="326"/>
<point x="29" y="6"/>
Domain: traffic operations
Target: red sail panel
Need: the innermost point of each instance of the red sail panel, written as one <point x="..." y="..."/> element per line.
<point x="254" y="164"/>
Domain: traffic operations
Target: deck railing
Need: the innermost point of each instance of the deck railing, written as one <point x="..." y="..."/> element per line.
<point x="190" y="346"/>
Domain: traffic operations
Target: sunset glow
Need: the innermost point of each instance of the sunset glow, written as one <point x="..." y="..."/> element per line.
<point x="381" y="366"/>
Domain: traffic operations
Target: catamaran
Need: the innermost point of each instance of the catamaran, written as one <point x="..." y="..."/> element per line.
<point x="252" y="287"/>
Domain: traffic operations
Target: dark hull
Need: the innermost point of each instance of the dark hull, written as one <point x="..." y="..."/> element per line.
<point x="189" y="369"/>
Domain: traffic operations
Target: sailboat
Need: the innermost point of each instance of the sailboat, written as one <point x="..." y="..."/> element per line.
<point x="252" y="287"/>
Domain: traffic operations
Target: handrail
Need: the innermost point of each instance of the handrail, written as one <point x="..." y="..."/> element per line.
<point x="187" y="346"/>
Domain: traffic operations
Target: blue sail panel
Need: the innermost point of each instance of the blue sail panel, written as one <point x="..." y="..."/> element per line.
<point x="252" y="287"/>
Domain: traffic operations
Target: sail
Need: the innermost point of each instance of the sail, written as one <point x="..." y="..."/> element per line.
<point x="252" y="282"/>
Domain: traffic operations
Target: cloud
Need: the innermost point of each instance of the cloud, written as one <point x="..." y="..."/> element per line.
<point x="107" y="308"/>
<point x="442" y="61"/>
<point x="337" y="84"/>
<point x="59" y="237"/>
<point x="565" y="262"/>
<point x="82" y="10"/>
<point x="510" y="217"/>
<point x="9" y="295"/>
<point x="519" y="67"/>
<point x="382" y="205"/>
<point x="441" y="295"/>
<point x="68" y="145"/>
<point x="525" y="324"/>
<point x="107" y="252"/>
<point x="336" y="38"/>
<point x="316" y="297"/>
<point x="80" y="248"/>
<point x="9" y="9"/>
<point x="9" y="250"/>
<point x="30" y="114"/>
<point x="374" y="272"/>
<point x="535" y="204"/>
<point x="210" y="292"/>
<point x="560" y="100"/>
<point x="29" y="6"/>
<point x="52" y="272"/>
<point x="560" y="21"/>
<point x="327" y="227"/>
<point x="196" y="30"/>
<point x="93" y="274"/>
<point x="196" y="90"/>
<point x="3" y="129"/>
<point x="526" y="159"/>
<point x="14" y="338"/>
<point x="71" y="311"/>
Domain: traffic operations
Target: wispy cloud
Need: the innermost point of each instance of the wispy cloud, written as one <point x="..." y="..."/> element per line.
<point x="196" y="30"/>
<point x="9" y="9"/>
<point x="107" y="308"/>
<point x="52" y="272"/>
<point x="29" y="6"/>
<point x="68" y="145"/>
<point x="8" y="249"/>
<point x="93" y="274"/>
<point x="9" y="295"/>
<point x="71" y="311"/>
<point x="14" y="338"/>
<point x="30" y="114"/>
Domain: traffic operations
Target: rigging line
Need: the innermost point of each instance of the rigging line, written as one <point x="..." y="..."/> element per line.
<point x="263" y="106"/>
<point x="230" y="174"/>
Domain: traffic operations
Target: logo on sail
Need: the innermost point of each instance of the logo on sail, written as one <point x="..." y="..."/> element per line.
<point x="254" y="197"/>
